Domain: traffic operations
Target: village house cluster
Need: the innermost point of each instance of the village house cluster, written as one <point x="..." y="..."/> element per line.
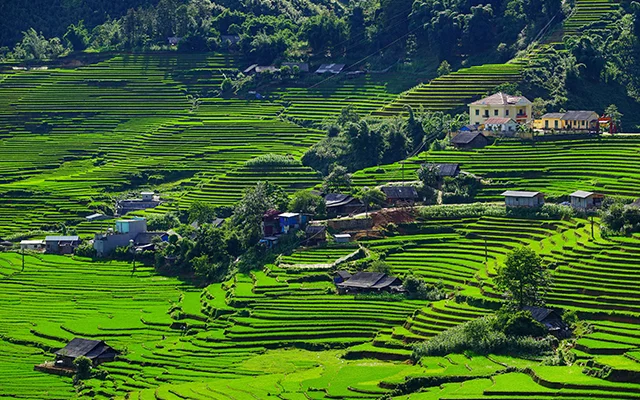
<point x="503" y="114"/>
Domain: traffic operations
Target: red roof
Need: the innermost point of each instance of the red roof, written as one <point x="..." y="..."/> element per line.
<point x="497" y="121"/>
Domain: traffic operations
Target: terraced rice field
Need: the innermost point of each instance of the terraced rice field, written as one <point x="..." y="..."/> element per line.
<point x="73" y="139"/>
<point x="604" y="164"/>
<point x="589" y="14"/>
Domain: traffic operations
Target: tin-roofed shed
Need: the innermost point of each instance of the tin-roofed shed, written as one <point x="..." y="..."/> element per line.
<point x="518" y="198"/>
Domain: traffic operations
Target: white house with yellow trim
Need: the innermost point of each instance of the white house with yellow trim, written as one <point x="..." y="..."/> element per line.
<point x="501" y="105"/>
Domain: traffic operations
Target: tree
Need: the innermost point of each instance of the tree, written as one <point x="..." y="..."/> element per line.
<point x="77" y="36"/>
<point x="539" y="107"/>
<point x="83" y="368"/>
<point x="524" y="278"/>
<point x="371" y="197"/>
<point x="614" y="114"/>
<point x="429" y="174"/>
<point x="337" y="180"/>
<point x="201" y="212"/>
<point x="444" y="68"/>
<point x="247" y="215"/>
<point x="306" y="202"/>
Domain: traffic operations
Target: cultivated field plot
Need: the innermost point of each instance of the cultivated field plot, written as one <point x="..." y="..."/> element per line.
<point x="603" y="164"/>
<point x="71" y="140"/>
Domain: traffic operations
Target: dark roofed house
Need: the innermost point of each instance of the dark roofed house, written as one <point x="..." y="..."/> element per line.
<point x="316" y="235"/>
<point x="342" y="204"/>
<point x="452" y="170"/>
<point x="581" y="120"/>
<point x="61" y="244"/>
<point x="469" y="140"/>
<point x="370" y="282"/>
<point x="341" y="276"/>
<point x="330" y="68"/>
<point x="400" y="194"/>
<point x="551" y="319"/>
<point x="95" y="350"/>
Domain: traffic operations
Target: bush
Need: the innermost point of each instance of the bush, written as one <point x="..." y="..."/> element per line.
<point x="520" y="323"/>
<point x="83" y="368"/>
<point x="272" y="160"/>
<point x="481" y="337"/>
<point x="86" y="250"/>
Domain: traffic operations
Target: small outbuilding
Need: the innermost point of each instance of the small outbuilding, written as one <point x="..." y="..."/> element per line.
<point x="581" y="120"/>
<point x="302" y="67"/>
<point x="504" y="125"/>
<point x="585" y="200"/>
<point x="551" y="319"/>
<point x="316" y="235"/>
<point x="61" y="244"/>
<point x="451" y="170"/>
<point x="342" y="204"/>
<point x="330" y="68"/>
<point x="341" y="276"/>
<point x="367" y="282"/>
<point x="271" y="223"/>
<point x="95" y="350"/>
<point x="400" y="194"/>
<point x="34" y="245"/>
<point x="516" y="198"/>
<point x="289" y="221"/>
<point x="342" y="238"/>
<point x="469" y="140"/>
<point x="95" y="217"/>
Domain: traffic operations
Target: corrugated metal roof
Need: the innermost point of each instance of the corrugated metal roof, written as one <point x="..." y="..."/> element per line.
<point x="501" y="98"/>
<point x="466" y="137"/>
<point x="518" y="193"/>
<point x="581" y="194"/>
<point x="61" y="239"/>
<point x="580" y="116"/>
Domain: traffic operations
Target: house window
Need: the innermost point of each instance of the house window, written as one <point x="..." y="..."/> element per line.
<point x="583" y="123"/>
<point x="506" y="113"/>
<point x="555" y="124"/>
<point x="546" y="124"/>
<point x="495" y="112"/>
<point x="477" y="112"/>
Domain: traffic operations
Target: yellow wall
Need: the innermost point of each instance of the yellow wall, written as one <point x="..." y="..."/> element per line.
<point x="540" y="123"/>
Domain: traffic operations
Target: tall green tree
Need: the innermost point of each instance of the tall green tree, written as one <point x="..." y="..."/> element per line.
<point x="338" y="180"/>
<point x="524" y="278"/>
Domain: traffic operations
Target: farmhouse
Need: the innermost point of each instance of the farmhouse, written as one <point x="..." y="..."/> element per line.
<point x="501" y="124"/>
<point x="271" y="223"/>
<point x="126" y="230"/>
<point x="400" y="194"/>
<point x="342" y="204"/>
<point x="549" y="121"/>
<point x="291" y="221"/>
<point x="370" y="282"/>
<point x="501" y="105"/>
<point x="61" y="244"/>
<point x="330" y="68"/>
<point x="580" y="120"/>
<point x="445" y="170"/>
<point x="316" y="235"/>
<point x="341" y="276"/>
<point x="95" y="350"/>
<point x="469" y="140"/>
<point x="585" y="200"/>
<point x="551" y="319"/>
<point x="515" y="198"/>
<point x="148" y="200"/>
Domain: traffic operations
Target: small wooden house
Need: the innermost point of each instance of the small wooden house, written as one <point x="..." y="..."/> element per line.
<point x="95" y="350"/>
<point x="289" y="221"/>
<point x="400" y="194"/>
<point x="342" y="238"/>
<point x="451" y="170"/>
<point x="316" y="235"/>
<point x="32" y="245"/>
<point x="585" y="200"/>
<point x="516" y="198"/>
<point x="271" y="223"/>
<point x="341" y="276"/>
<point x="342" y="204"/>
<point x="469" y="140"/>
<point x="551" y="319"/>
<point x="61" y="244"/>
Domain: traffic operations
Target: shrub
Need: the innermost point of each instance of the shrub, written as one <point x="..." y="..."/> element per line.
<point x="272" y="160"/>
<point x="83" y="368"/>
<point x="86" y="250"/>
<point x="481" y="337"/>
<point x="520" y="323"/>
